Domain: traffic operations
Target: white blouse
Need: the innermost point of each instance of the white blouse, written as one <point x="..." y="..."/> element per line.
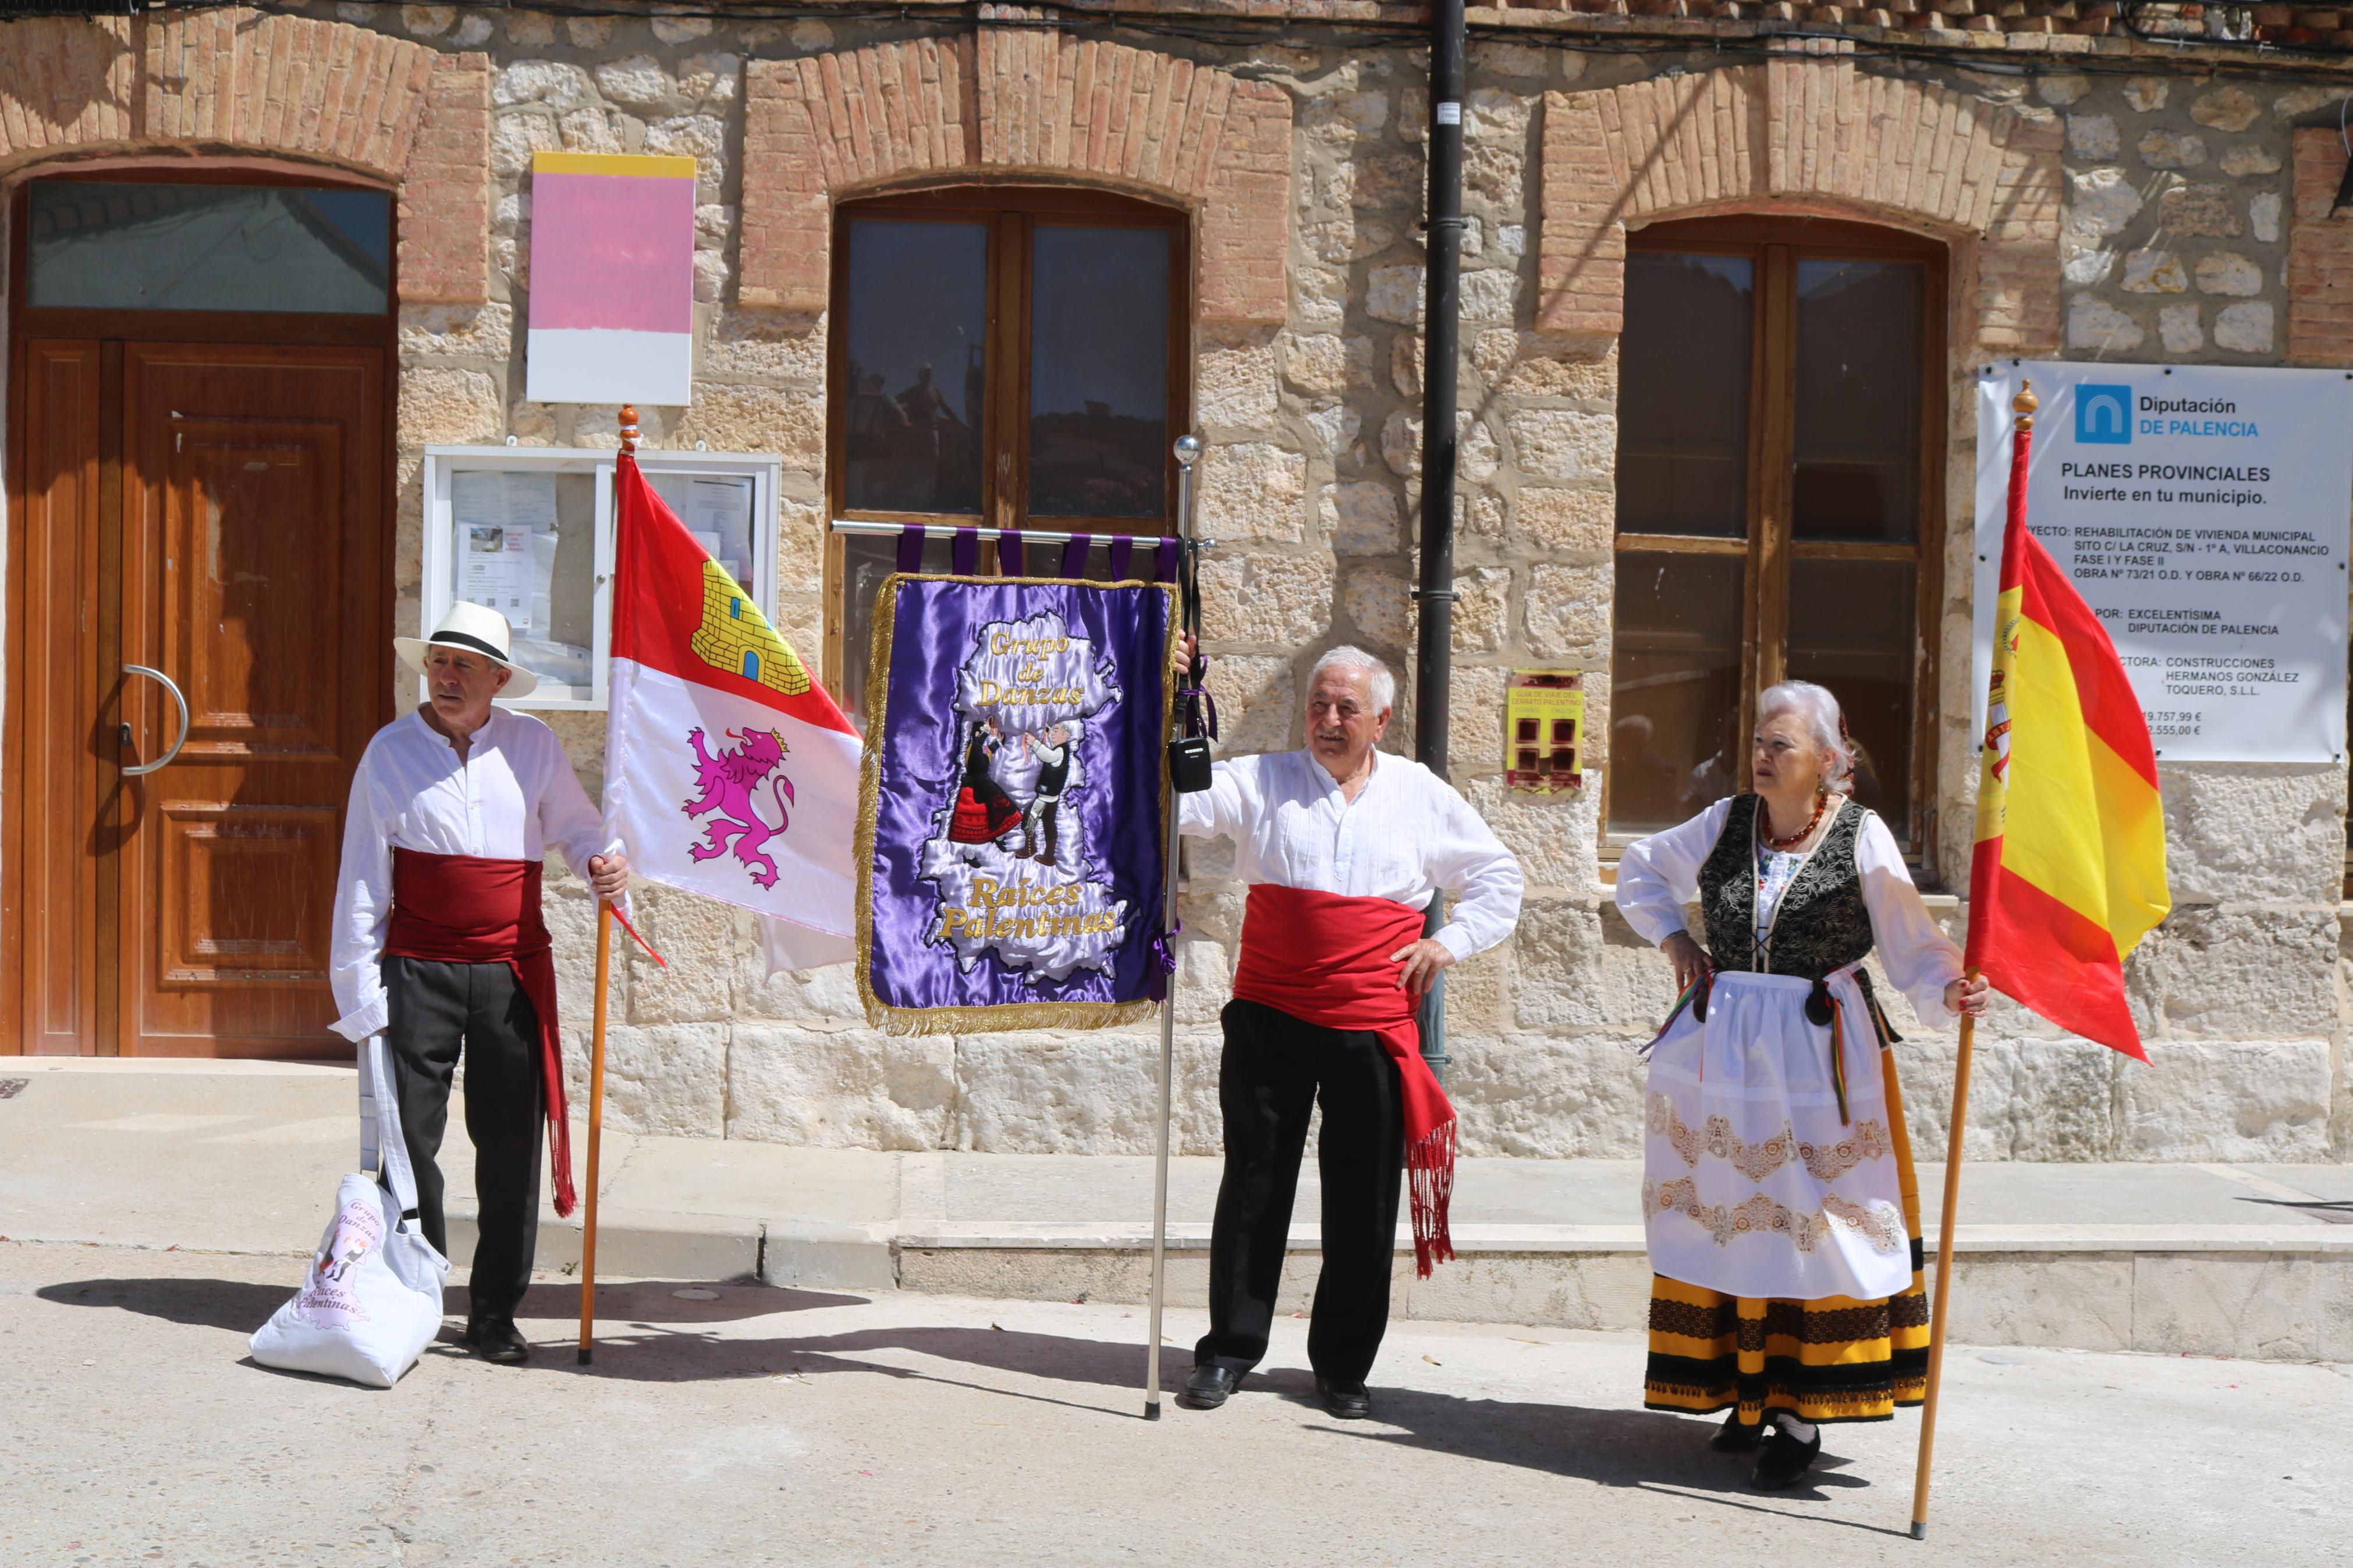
<point x="1658" y="875"/>
<point x="513" y="795"/>
<point x="1406" y="835"/>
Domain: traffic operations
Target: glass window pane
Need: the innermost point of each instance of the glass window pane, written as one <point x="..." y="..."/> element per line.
<point x="1857" y="463"/>
<point x="717" y="509"/>
<point x="1099" y="434"/>
<point x="1682" y="394"/>
<point x="1852" y="628"/>
<point x="1675" y="688"/>
<point x="526" y="547"/>
<point x="917" y="322"/>
<point x="98" y="245"/>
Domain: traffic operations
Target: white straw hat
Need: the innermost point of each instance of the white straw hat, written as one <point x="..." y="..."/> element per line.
<point x="471" y="628"/>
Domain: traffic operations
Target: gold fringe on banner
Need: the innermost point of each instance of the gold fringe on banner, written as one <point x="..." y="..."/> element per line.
<point x="1002" y="1016"/>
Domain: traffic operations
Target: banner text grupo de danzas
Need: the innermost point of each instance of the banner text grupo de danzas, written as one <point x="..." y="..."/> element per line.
<point x="1011" y="813"/>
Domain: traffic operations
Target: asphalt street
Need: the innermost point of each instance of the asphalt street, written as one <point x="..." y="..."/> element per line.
<point x="745" y="1424"/>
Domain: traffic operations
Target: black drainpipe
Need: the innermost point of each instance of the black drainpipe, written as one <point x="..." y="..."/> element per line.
<point x="1441" y="311"/>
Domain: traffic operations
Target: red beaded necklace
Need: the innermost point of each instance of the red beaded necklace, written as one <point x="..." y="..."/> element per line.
<point x="1821" y="803"/>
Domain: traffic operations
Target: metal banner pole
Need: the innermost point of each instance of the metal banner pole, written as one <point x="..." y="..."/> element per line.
<point x="1188" y="452"/>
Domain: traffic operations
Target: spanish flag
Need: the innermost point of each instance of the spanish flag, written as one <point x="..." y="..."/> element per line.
<point x="2069" y="872"/>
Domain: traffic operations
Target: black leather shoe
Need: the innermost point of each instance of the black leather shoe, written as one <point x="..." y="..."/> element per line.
<point x="1736" y="1437"/>
<point x="1785" y="1461"/>
<point x="1209" y="1386"/>
<point x="1346" y="1401"/>
<point x="496" y="1340"/>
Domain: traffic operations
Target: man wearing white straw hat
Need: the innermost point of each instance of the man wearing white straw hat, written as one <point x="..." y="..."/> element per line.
<point x="440" y="945"/>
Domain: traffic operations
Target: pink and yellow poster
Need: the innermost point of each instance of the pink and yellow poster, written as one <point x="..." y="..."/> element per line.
<point x="612" y="278"/>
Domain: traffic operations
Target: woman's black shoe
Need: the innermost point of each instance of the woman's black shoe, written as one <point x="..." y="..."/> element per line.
<point x="1209" y="1386"/>
<point x="1736" y="1437"/>
<point x="1785" y="1461"/>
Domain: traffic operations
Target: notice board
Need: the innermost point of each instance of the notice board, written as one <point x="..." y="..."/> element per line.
<point x="2203" y="512"/>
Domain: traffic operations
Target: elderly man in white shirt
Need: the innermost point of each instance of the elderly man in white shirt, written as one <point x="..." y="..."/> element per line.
<point x="1343" y="847"/>
<point x="440" y="945"/>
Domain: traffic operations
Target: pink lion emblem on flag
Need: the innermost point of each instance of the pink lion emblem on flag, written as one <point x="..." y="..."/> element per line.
<point x="730" y="783"/>
<point x="706" y="703"/>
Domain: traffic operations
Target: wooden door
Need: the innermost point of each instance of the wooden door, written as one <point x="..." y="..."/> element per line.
<point x="252" y="577"/>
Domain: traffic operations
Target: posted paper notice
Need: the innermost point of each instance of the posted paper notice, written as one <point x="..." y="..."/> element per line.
<point x="2203" y="512"/>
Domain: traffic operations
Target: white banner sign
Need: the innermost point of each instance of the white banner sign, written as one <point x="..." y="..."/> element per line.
<point x="2202" y="512"/>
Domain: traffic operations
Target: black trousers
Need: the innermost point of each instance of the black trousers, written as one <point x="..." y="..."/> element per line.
<point x="438" y="1009"/>
<point x="1274" y="1069"/>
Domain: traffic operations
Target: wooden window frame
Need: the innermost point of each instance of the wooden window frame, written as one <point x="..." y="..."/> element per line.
<point x="1012" y="212"/>
<point x="1775" y="246"/>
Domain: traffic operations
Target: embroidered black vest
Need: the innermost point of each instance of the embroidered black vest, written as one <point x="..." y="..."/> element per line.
<point x="1823" y="922"/>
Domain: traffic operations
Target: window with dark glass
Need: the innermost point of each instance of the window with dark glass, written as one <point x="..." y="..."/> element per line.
<point x="1778" y="471"/>
<point x="123" y="245"/>
<point x="1004" y="358"/>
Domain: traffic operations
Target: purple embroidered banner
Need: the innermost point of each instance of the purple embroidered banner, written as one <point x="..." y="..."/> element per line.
<point x="1010" y="865"/>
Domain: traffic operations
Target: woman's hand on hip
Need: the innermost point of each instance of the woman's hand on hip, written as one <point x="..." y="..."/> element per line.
<point x="1969" y="995"/>
<point x="1689" y="961"/>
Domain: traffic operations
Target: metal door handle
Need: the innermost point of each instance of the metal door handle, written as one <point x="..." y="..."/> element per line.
<point x="178" y="700"/>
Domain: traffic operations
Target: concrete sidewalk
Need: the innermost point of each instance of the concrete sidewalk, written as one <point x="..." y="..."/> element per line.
<point x="2242" y="1260"/>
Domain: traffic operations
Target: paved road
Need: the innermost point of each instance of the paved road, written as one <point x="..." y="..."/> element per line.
<point x="768" y="1426"/>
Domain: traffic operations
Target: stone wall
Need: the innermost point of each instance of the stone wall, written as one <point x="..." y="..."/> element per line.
<point x="2088" y="213"/>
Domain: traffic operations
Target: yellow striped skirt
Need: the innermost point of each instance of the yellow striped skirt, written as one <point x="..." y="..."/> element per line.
<point x="1836" y="1359"/>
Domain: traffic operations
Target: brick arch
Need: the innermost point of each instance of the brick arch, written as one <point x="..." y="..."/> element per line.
<point x="240" y="81"/>
<point x="1805" y="132"/>
<point x="1015" y="102"/>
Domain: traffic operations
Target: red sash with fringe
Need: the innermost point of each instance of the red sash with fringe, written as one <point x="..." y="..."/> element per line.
<point x="1324" y="959"/>
<point x="464" y="909"/>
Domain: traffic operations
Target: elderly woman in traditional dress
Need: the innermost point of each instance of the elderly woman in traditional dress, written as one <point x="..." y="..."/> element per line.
<point x="1783" y="1216"/>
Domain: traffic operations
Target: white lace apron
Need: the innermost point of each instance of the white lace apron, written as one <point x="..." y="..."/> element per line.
<point x="1752" y="1185"/>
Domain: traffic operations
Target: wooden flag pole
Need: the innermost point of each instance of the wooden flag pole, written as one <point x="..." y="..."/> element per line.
<point x="1944" y="1295"/>
<point x="2022" y="408"/>
<point x="595" y="1131"/>
<point x="597" y="1055"/>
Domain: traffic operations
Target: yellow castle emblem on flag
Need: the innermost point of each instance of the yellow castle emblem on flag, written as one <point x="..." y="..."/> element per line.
<point x="734" y="637"/>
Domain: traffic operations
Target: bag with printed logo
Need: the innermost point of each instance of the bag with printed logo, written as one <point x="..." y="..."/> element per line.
<point x="372" y="1301"/>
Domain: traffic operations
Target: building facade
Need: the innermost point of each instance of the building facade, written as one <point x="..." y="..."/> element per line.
<point x="1729" y="274"/>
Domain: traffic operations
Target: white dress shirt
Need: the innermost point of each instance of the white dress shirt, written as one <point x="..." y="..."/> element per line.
<point x="1407" y="835"/>
<point x="1658" y="875"/>
<point x="512" y="796"/>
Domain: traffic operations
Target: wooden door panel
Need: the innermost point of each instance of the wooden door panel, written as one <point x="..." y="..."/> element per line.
<point x="254" y="886"/>
<point x="56" y="808"/>
<point x="252" y="574"/>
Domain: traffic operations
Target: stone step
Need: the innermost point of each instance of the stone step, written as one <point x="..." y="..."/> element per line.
<point x="2236" y="1261"/>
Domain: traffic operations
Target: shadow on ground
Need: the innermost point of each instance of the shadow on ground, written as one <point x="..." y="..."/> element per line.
<point x="1617" y="1447"/>
<point x="243" y="1306"/>
<point x="646" y="1332"/>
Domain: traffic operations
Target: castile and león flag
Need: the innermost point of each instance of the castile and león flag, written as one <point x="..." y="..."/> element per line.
<point x="728" y="770"/>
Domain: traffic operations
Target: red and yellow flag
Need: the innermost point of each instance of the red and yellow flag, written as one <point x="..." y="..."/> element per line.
<point x="2070" y="865"/>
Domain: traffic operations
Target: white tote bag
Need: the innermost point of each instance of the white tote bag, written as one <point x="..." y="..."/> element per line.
<point x="373" y="1300"/>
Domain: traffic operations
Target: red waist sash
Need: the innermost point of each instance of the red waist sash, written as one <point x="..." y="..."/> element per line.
<point x="464" y="909"/>
<point x="1326" y="959"/>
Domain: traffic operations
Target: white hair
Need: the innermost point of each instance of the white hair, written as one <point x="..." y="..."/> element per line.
<point x="1380" y="685"/>
<point x="1825" y="724"/>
